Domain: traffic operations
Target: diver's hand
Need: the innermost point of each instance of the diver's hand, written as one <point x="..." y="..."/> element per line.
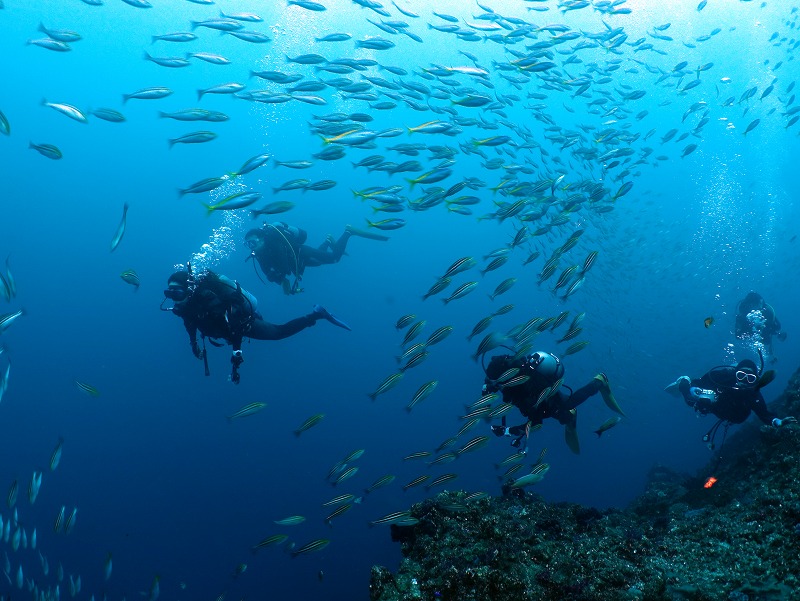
<point x="783" y="422"/>
<point x="197" y="351"/>
<point x="237" y="359"/>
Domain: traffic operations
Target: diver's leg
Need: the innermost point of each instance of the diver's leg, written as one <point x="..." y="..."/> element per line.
<point x="600" y="384"/>
<point x="262" y="330"/>
<point x="579" y="396"/>
<point x="314" y="257"/>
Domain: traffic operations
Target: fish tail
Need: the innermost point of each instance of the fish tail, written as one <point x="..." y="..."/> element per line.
<point x="125" y="98"/>
<point x="194" y="24"/>
<point x="209" y="212"/>
<point x="200" y="94"/>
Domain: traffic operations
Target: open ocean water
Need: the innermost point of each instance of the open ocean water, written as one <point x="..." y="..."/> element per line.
<point x="176" y="494"/>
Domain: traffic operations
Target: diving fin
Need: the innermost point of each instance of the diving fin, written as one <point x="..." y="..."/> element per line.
<point x="765" y="378"/>
<point x="325" y="314"/>
<point x="571" y="438"/>
<point x="365" y="234"/>
<point x="608" y="396"/>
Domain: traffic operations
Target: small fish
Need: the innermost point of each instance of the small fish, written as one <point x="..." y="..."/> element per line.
<point x="252" y="164"/>
<point x="533" y="478"/>
<point x="391" y="518"/>
<point x="129" y="276"/>
<point x="424" y="392"/>
<point x="109" y="115"/>
<point x="752" y="126"/>
<point x="341" y="499"/>
<point x="574" y="348"/>
<point x="70" y="523"/>
<point x="417" y="455"/>
<point x="438" y="335"/>
<point x="315" y="545"/>
<point x="380" y="483"/>
<point x="708" y="321"/>
<point x="11" y="499"/>
<point x="462" y="264"/>
<point x="107" y="567"/>
<point x="47" y="150"/>
<point x="292" y="520"/>
<point x="147" y="94"/>
<point x="9" y="318"/>
<point x="275" y="539"/>
<point x="337" y="512"/>
<point x="120" y="229"/>
<point x="273" y="208"/>
<point x="87" y="388"/>
<point x="33" y="487"/>
<point x="389" y="383"/>
<point x="68" y="110"/>
<point x="474" y="444"/>
<point x="345" y="475"/>
<point x="55" y="457"/>
<point x="416" y="482"/>
<point x="441" y="480"/>
<point x="247" y="410"/>
<point x="607" y="425"/>
<point x="59" y="519"/>
<point x="197" y="137"/>
<point x="404" y="321"/>
<point x="460" y="292"/>
<point x="309" y="423"/>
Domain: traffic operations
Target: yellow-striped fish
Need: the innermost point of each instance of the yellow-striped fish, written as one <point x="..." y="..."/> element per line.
<point x="87" y="388"/>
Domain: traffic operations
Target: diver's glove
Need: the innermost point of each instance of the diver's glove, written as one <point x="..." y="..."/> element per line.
<point x="500" y="431"/>
<point x="674" y="388"/>
<point x="197" y="351"/>
<point x="782" y="422"/>
<point x="236" y="361"/>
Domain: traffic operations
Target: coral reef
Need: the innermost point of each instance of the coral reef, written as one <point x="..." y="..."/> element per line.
<point x="736" y="541"/>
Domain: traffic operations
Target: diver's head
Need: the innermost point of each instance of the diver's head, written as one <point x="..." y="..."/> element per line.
<point x="746" y="373"/>
<point x="255" y="240"/>
<point x="547" y="364"/>
<point x="753" y="300"/>
<point x="177" y="286"/>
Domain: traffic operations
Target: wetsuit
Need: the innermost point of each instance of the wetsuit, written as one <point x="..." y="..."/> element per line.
<point x="733" y="401"/>
<point x="524" y="397"/>
<point x="220" y="308"/>
<point x="282" y="254"/>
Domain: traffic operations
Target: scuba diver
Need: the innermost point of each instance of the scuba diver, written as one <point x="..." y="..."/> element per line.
<point x="220" y="309"/>
<point x="730" y="393"/>
<point x="534" y="385"/>
<point x="756" y="320"/>
<point x="280" y="251"/>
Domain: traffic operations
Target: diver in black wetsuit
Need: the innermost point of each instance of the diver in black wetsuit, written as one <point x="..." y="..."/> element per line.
<point x="540" y="395"/>
<point x="729" y="392"/>
<point x="280" y="250"/>
<point x="756" y="318"/>
<point x="219" y="308"/>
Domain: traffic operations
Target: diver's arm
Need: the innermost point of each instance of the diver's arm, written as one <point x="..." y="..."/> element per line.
<point x="191" y="329"/>
<point x="759" y="407"/>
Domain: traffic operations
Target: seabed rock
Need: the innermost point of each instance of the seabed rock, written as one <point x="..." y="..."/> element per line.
<point x="736" y="541"/>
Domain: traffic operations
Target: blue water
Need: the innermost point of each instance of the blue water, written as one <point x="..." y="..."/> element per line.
<point x="161" y="479"/>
